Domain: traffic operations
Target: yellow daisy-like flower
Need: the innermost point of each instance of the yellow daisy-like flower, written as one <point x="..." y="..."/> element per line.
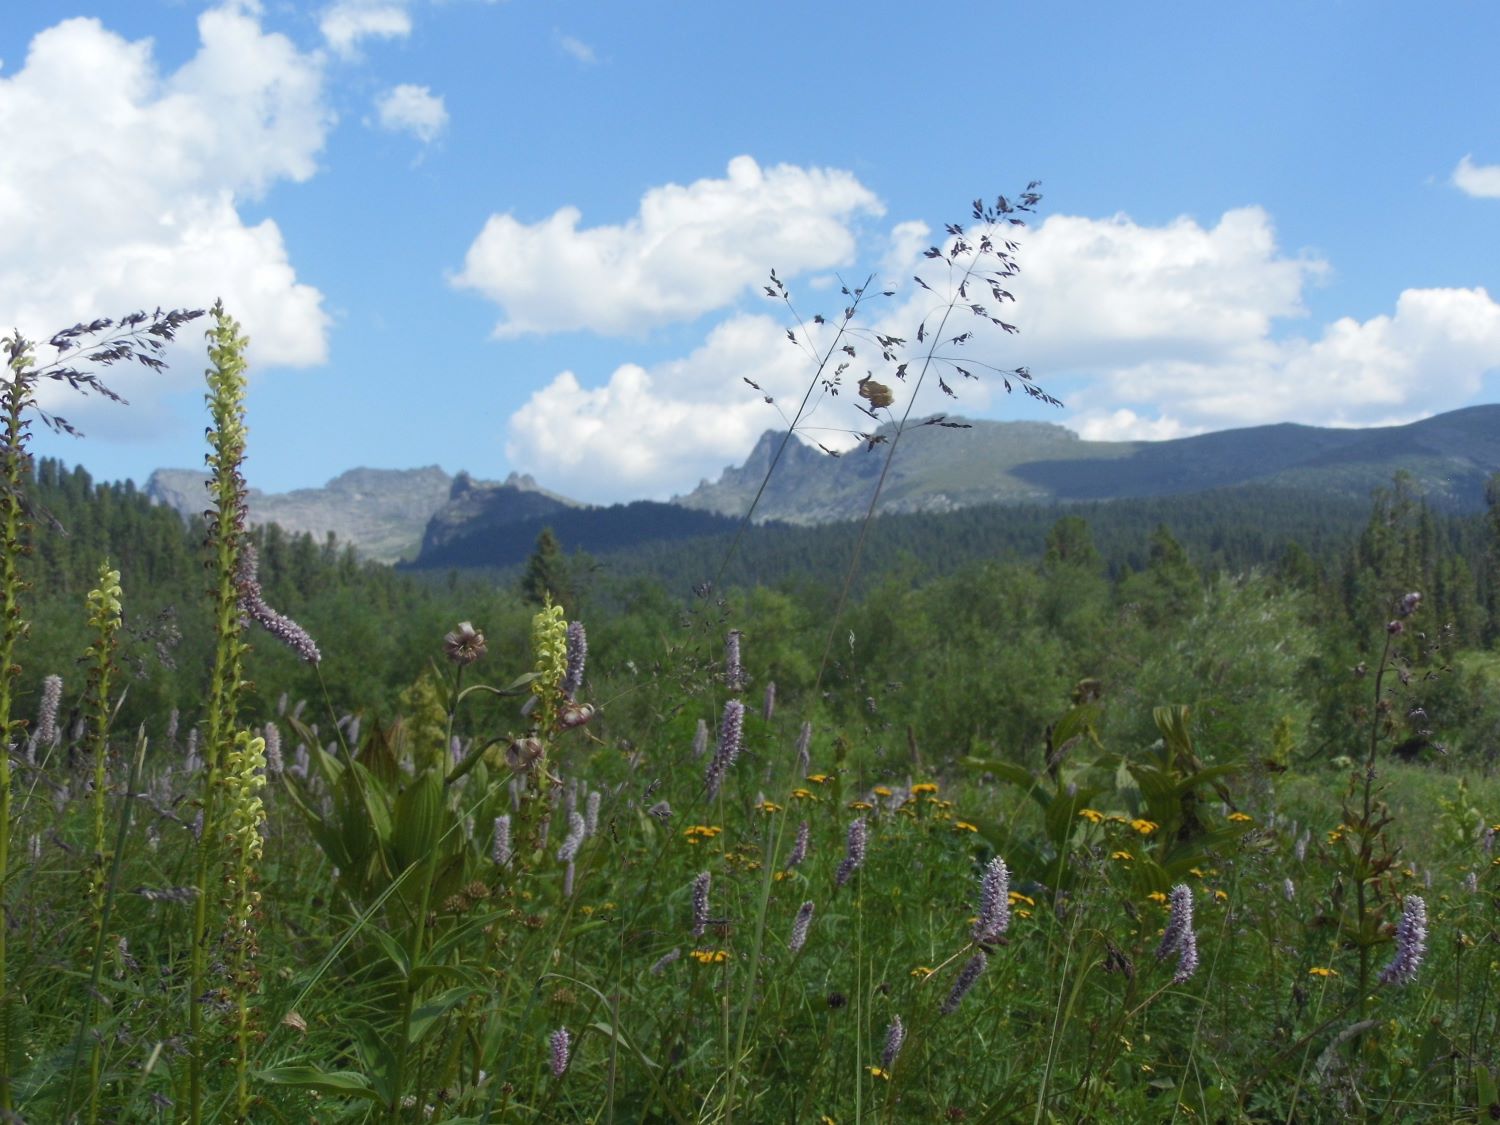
<point x="1241" y="818"/>
<point x="881" y="791"/>
<point x="876" y="1072"/>
<point x="1221" y="896"/>
<point x="1017" y="897"/>
<point x="922" y="972"/>
<point x="768" y="807"/>
<point x="1144" y="827"/>
<point x="710" y="956"/>
<point x="818" y="778"/>
<point x="1023" y="913"/>
<point x="861" y="806"/>
<point x="1196" y="871"/>
<point x="1321" y="971"/>
<point x="964" y="826"/>
<point x="1158" y="898"/>
<point x="922" y="787"/>
<point x="1124" y="856"/>
<point x="696" y="832"/>
<point x="802" y="794"/>
<point x="1093" y="816"/>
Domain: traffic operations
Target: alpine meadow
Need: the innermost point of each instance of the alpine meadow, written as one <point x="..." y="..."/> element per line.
<point x="1077" y="699"/>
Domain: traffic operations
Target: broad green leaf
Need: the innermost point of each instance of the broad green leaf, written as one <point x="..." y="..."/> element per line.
<point x="348" y="1083"/>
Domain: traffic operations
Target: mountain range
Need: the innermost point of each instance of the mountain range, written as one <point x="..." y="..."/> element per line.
<point x="943" y="464"/>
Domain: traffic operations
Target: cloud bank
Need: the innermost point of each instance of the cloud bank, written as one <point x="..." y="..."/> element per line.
<point x="119" y="185"/>
<point x="687" y="251"/>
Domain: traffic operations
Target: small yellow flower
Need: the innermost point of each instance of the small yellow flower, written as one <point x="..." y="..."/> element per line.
<point x="1240" y="818"/>
<point x="1023" y="913"/>
<point x="696" y="832"/>
<point x="1123" y="856"/>
<point x="1195" y="871"/>
<point x="1017" y="897"/>
<point x="1321" y="971"/>
<point x="881" y="791"/>
<point x="802" y="794"/>
<point x="710" y="956"/>
<point x="1221" y="896"/>
<point x="963" y="826"/>
<point x="922" y="972"/>
<point x="1093" y="816"/>
<point x="923" y="787"/>
<point x="1144" y="827"/>
<point x="1158" y="898"/>
<point x="818" y="778"/>
<point x="861" y="806"/>
<point x="876" y="1072"/>
<point x="768" y="807"/>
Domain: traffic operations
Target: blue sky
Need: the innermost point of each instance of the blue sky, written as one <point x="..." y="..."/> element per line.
<point x="525" y="236"/>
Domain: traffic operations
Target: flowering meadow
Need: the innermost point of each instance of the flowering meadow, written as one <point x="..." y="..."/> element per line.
<point x="643" y="883"/>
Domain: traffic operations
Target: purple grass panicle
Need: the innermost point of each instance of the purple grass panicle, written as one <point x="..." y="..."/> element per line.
<point x="561" y="1043"/>
<point x="799" y="848"/>
<point x="800" y="925"/>
<point x="700" y="903"/>
<point x="966" y="978"/>
<point x="1411" y="943"/>
<point x="854" y="853"/>
<point x="567" y="851"/>
<point x="501" y="851"/>
<point x="253" y="607"/>
<point x="1179" y="937"/>
<point x="895" y="1036"/>
<point x="731" y="735"/>
<point x="994" y="902"/>
<point x="578" y="651"/>
<point x="734" y="670"/>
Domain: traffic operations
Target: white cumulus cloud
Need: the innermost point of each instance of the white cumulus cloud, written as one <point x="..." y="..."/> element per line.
<point x="412" y="109"/>
<point x="1479" y="180"/>
<point x="344" y="24"/>
<point x="119" y="184"/>
<point x="687" y="251"/>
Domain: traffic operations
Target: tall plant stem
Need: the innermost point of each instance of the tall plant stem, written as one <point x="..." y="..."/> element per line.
<point x="14" y="464"/>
